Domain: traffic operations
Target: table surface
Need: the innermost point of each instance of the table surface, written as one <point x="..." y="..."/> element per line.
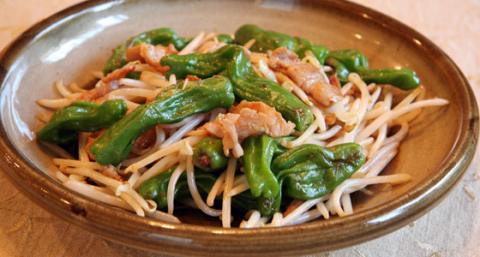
<point x="450" y="229"/>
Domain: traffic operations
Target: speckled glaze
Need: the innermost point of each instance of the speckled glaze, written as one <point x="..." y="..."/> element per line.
<point x="70" y="44"/>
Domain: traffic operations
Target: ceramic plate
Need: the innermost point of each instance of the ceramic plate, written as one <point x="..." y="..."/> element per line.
<point x="78" y="40"/>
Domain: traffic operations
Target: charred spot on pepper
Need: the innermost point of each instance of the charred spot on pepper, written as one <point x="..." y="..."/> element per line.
<point x="208" y="155"/>
<point x="204" y="160"/>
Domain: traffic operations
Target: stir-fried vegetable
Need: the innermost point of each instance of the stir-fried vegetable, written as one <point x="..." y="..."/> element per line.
<point x="320" y="52"/>
<point x="225" y="38"/>
<point x="171" y="105"/>
<point x="404" y="79"/>
<point x="349" y="60"/>
<point x="271" y="173"/>
<point x="232" y="62"/>
<point x="256" y="163"/>
<point x="279" y="148"/>
<point x="271" y="40"/>
<point x="208" y="155"/>
<point x="264" y="40"/>
<point x="65" y="124"/>
<point x="353" y="60"/>
<point x="311" y="171"/>
<point x="344" y="61"/>
<point x="156" y="188"/>
<point x="163" y="36"/>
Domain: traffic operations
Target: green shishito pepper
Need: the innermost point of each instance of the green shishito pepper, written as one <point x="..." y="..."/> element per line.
<point x="279" y="148"/>
<point x="231" y="62"/>
<point x="311" y="171"/>
<point x="271" y="40"/>
<point x="171" y="105"/>
<point x="208" y="155"/>
<point x="349" y="60"/>
<point x="225" y="38"/>
<point x="264" y="40"/>
<point x="258" y="154"/>
<point x="264" y="194"/>
<point x="163" y="36"/>
<point x="264" y="186"/>
<point x="65" y="124"/>
<point x="346" y="61"/>
<point x="268" y="206"/>
<point x="156" y="188"/>
<point x="404" y="79"/>
<point x="320" y="52"/>
<point x="352" y="59"/>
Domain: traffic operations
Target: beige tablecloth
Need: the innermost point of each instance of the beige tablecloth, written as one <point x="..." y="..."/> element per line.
<point x="451" y="229"/>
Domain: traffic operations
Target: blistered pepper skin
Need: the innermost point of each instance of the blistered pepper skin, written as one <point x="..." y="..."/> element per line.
<point x="200" y="65"/>
<point x="310" y="171"/>
<point x="258" y="154"/>
<point x="156" y="188"/>
<point x="249" y="86"/>
<point x="264" y="186"/>
<point x="162" y="36"/>
<point x="232" y="62"/>
<point x="349" y="60"/>
<point x="301" y="154"/>
<point x="84" y="116"/>
<point x="352" y="59"/>
<point x="209" y="156"/>
<point x="264" y="40"/>
<point x="171" y="105"/>
<point x="404" y="79"/>
<point x="270" y="40"/>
